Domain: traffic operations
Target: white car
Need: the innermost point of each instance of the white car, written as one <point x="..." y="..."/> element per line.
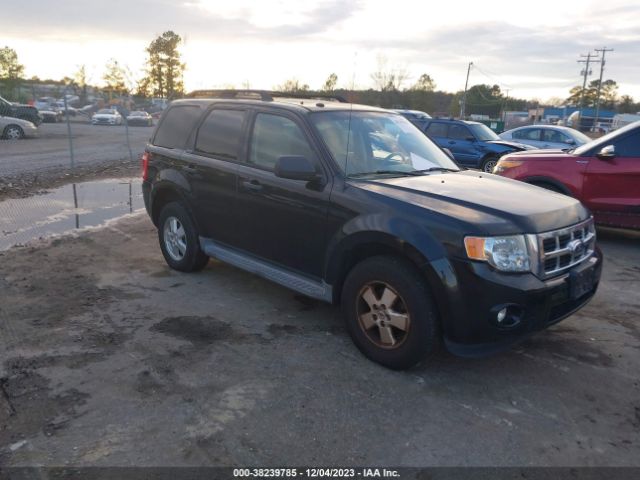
<point x="15" y="128"/>
<point x="546" y="136"/>
<point x="107" y="116"/>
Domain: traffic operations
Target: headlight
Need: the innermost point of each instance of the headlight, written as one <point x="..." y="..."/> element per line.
<point x="508" y="254"/>
<point x="506" y="164"/>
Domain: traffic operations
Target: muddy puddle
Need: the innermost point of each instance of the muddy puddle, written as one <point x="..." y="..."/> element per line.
<point x="71" y="207"/>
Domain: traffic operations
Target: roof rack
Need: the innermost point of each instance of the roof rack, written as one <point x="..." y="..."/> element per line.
<point x="229" y="93"/>
<point x="264" y="95"/>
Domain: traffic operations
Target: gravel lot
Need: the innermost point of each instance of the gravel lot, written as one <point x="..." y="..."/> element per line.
<point x="30" y="165"/>
<point x="110" y="358"/>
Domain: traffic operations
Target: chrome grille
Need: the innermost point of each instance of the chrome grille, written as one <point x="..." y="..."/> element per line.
<point x="564" y="248"/>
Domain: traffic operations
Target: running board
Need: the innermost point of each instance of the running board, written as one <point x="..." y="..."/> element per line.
<point x="299" y="283"/>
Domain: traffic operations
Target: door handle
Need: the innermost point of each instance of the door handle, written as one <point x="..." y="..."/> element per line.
<point x="254" y="185"/>
<point x="451" y="142"/>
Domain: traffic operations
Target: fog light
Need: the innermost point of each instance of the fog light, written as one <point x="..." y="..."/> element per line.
<point x="507" y="315"/>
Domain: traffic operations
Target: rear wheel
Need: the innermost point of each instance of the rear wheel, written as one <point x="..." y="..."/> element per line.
<point x="389" y="313"/>
<point x="179" y="239"/>
<point x="13" y="132"/>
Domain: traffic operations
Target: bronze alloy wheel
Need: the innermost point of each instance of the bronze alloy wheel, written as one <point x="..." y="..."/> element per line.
<point x="382" y="315"/>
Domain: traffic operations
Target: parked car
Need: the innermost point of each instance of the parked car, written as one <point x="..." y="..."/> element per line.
<point x="45" y="103"/>
<point x="418" y="118"/>
<point x="546" y="136"/>
<point x="23" y="112"/>
<point x="604" y="174"/>
<point x="52" y="115"/>
<point x="327" y="199"/>
<point x="140" y="117"/>
<point x="107" y="116"/>
<point x="472" y="144"/>
<point x="12" y="128"/>
<point x="72" y="112"/>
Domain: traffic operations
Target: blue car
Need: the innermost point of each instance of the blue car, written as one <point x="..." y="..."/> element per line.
<point x="472" y="144"/>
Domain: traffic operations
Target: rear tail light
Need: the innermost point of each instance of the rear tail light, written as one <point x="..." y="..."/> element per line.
<point x="146" y="156"/>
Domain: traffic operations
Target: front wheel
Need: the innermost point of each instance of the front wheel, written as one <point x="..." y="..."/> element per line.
<point x="489" y="164"/>
<point x="389" y="313"/>
<point x="13" y="132"/>
<point x="179" y="239"/>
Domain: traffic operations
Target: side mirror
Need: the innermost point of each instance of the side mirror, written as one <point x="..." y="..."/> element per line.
<point x="470" y="139"/>
<point x="607" y="153"/>
<point x="295" y="167"/>
<point x="448" y="152"/>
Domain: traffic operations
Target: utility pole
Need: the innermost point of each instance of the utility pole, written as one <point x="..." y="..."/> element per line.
<point x="464" y="97"/>
<point x="589" y="59"/>
<point x="604" y="51"/>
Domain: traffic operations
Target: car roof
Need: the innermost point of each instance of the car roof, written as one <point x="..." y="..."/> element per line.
<point x="296" y="102"/>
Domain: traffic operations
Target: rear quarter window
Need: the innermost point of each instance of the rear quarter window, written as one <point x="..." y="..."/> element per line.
<point x="177" y="125"/>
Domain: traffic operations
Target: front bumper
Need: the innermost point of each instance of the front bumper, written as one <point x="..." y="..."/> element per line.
<point x="469" y="324"/>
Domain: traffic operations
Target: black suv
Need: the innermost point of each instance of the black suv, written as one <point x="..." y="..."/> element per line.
<point x="352" y="204"/>
<point x="24" y="112"/>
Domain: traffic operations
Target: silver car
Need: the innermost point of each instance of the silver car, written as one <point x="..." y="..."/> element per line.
<point x="547" y="136"/>
<point x="14" y="128"/>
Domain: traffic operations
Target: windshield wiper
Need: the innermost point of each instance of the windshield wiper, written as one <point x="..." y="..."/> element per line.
<point x="390" y="172"/>
<point x="437" y="169"/>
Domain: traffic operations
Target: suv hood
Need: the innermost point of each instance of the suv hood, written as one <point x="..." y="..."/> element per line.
<point x="494" y="204"/>
<point x="508" y="143"/>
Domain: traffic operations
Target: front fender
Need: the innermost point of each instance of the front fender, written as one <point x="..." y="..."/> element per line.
<point x="403" y="237"/>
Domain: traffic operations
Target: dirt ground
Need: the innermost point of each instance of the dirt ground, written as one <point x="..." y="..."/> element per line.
<point x="110" y="358"/>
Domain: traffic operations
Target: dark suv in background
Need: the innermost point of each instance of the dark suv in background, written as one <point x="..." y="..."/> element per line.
<point x="352" y="204"/>
<point x="472" y="144"/>
<point x="23" y="112"/>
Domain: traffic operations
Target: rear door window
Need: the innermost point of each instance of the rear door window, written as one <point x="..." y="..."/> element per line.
<point x="528" y="134"/>
<point x="176" y="126"/>
<point x="437" y="129"/>
<point x="220" y="134"/>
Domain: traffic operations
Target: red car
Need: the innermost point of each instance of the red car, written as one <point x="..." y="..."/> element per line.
<point x="603" y="174"/>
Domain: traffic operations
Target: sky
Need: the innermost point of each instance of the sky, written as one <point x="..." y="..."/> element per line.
<point x="529" y="48"/>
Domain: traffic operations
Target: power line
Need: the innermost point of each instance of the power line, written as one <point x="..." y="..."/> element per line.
<point x="589" y="59"/>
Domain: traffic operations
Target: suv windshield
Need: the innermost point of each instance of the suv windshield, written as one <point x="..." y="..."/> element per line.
<point x="482" y="132"/>
<point x="377" y="143"/>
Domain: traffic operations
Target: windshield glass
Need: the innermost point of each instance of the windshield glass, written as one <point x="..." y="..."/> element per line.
<point x="579" y="137"/>
<point x="106" y="111"/>
<point x="482" y="132"/>
<point x="378" y="142"/>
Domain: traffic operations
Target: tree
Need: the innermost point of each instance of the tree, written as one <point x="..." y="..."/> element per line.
<point x="11" y="71"/>
<point x="80" y="78"/>
<point x="425" y="84"/>
<point x="292" y="85"/>
<point x="388" y="79"/>
<point x="627" y="105"/>
<point x="330" y="83"/>
<point x="114" y="78"/>
<point x="588" y="97"/>
<point x="165" y="69"/>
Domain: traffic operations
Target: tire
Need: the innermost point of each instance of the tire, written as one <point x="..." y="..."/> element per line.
<point x="489" y="163"/>
<point x="13" y="132"/>
<point x="179" y="240"/>
<point x="365" y="289"/>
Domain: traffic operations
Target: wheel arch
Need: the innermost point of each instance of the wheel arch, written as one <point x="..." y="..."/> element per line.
<point x="539" y="179"/>
<point x="164" y="192"/>
<point x="423" y="252"/>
